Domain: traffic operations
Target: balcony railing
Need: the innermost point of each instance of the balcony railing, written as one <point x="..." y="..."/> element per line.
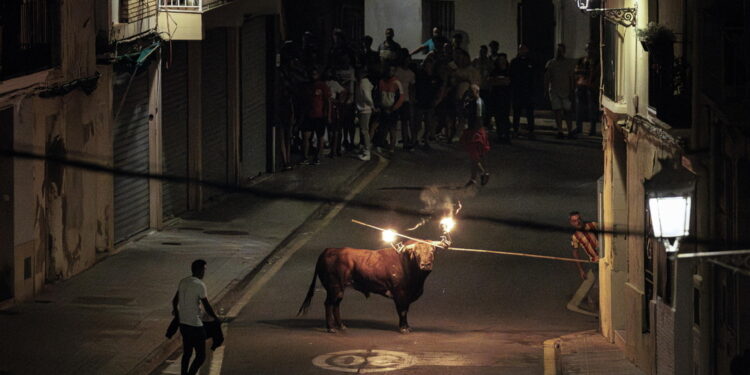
<point x="190" y="6"/>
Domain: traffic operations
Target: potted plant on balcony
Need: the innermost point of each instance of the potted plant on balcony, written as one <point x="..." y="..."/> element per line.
<point x="656" y="37"/>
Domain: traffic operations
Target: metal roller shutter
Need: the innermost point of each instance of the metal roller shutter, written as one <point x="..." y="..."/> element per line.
<point x="131" y="153"/>
<point x="214" y="107"/>
<point x="175" y="128"/>
<point x="254" y="124"/>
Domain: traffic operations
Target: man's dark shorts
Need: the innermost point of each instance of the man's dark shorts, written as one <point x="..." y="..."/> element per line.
<point x="388" y="120"/>
<point x="404" y="112"/>
<point x="193" y="336"/>
<point x="317" y="125"/>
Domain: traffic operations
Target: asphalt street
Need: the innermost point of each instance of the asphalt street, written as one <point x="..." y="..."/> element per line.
<point x="479" y="314"/>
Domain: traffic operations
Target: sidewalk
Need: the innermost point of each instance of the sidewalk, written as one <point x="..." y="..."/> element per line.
<point x="590" y="353"/>
<point x="111" y="318"/>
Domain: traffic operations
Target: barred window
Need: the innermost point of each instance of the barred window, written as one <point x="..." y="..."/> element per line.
<point x="443" y="15"/>
<point x="29" y="36"/>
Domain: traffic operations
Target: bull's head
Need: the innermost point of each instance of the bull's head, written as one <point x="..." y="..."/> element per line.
<point x="421" y="253"/>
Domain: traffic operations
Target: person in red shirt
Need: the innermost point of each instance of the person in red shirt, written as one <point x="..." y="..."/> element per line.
<point x="584" y="237"/>
<point x="318" y="97"/>
<point x="474" y="138"/>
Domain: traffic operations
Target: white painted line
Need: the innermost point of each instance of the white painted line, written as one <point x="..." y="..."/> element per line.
<point x="217" y="360"/>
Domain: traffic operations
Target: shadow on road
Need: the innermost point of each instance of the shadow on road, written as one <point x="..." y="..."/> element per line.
<point x="315" y="324"/>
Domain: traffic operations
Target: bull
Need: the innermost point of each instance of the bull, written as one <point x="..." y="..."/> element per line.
<point x="399" y="275"/>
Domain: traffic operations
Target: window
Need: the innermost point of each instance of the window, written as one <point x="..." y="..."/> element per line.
<point x="353" y="22"/>
<point x="443" y="15"/>
<point x="29" y="36"/>
<point x="609" y="61"/>
<point x="136" y="10"/>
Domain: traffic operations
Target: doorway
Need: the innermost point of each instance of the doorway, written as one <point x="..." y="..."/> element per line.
<point x="536" y="29"/>
<point x="6" y="205"/>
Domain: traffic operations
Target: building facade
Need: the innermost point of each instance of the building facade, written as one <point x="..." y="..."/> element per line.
<point x="55" y="101"/>
<point x="676" y="103"/>
<point x="541" y="24"/>
<point x="148" y="88"/>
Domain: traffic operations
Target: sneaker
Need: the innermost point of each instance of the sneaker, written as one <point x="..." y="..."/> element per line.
<point x="471" y="182"/>
<point x="316" y="161"/>
<point x="365" y="156"/>
<point x="485" y="178"/>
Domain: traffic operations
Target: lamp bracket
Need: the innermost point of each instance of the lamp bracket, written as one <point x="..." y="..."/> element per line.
<point x="622" y="16"/>
<point x="671" y="247"/>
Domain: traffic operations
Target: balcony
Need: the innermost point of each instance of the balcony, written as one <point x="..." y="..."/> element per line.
<point x="190" y="6"/>
<point x="189" y="19"/>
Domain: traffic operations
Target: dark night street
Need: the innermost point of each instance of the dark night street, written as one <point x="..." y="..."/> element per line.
<point x="480" y="313"/>
<point x="422" y="187"/>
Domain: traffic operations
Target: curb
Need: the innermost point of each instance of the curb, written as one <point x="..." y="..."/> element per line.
<point x="552" y="357"/>
<point x="230" y="295"/>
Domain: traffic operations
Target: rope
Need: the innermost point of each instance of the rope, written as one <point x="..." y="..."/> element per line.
<point x="476" y="250"/>
<point x="520" y="254"/>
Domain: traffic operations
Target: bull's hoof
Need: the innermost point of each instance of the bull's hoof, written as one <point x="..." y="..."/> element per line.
<point x="404" y="330"/>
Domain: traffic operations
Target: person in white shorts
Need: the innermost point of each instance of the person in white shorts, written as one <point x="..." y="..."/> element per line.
<point x="558" y="84"/>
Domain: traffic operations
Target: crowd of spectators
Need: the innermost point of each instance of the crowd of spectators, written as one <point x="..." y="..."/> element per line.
<point x="358" y="100"/>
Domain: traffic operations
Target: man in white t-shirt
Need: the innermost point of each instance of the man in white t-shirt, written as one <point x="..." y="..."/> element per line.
<point x="191" y="294"/>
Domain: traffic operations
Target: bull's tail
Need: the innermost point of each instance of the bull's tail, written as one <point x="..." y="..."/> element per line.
<point x="310" y="292"/>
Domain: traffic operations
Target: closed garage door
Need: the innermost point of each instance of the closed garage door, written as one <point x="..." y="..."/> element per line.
<point x="175" y="127"/>
<point x="214" y="100"/>
<point x="131" y="154"/>
<point x="254" y="124"/>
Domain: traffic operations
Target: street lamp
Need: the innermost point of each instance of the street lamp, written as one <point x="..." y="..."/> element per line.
<point x="669" y="201"/>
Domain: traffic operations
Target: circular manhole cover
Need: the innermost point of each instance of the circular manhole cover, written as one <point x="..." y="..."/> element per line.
<point x="364" y="361"/>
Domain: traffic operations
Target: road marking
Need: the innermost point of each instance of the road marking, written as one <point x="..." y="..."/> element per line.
<point x="266" y="274"/>
<point x="364" y="361"/>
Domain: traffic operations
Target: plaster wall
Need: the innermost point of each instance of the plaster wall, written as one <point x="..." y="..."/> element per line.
<point x="573" y="28"/>
<point x="640" y="345"/>
<point x="613" y="266"/>
<point x="404" y="16"/>
<point x="62" y="214"/>
<point x="481" y="21"/>
<point x="487" y="20"/>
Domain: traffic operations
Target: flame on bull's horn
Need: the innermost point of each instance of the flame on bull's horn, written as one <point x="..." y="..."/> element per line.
<point x="389" y="236"/>
<point x="447" y="224"/>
